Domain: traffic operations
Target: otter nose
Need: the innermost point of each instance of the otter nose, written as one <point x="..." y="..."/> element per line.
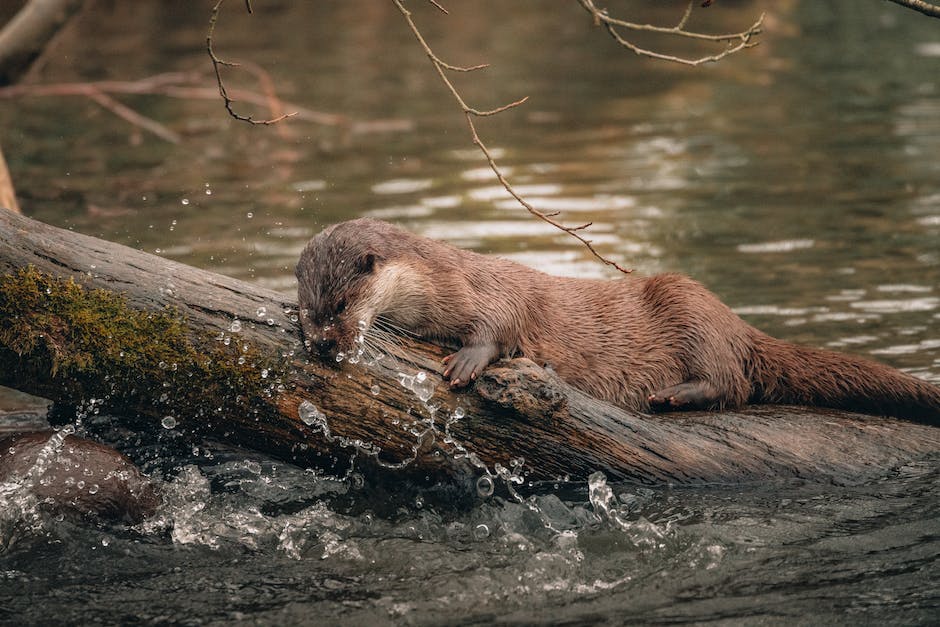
<point x="324" y="345"/>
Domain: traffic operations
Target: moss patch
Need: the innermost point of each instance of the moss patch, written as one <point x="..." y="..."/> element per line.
<point x="70" y="343"/>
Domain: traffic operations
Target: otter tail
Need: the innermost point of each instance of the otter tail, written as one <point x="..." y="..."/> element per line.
<point x="786" y="373"/>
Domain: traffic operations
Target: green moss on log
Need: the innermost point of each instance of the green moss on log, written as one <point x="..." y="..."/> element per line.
<point x="69" y="343"/>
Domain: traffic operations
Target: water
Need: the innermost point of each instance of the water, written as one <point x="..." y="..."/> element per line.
<point x="801" y="182"/>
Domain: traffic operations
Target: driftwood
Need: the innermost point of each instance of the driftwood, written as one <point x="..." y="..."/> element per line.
<point x="24" y="37"/>
<point x="187" y="349"/>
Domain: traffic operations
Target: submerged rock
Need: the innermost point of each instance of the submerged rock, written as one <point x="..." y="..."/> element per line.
<point x="74" y="475"/>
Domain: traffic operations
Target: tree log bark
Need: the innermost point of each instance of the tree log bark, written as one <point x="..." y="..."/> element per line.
<point x="198" y="351"/>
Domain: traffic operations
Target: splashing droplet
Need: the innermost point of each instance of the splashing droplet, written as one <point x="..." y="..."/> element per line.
<point x="485" y="486"/>
<point x="310" y="415"/>
<point x="168" y="422"/>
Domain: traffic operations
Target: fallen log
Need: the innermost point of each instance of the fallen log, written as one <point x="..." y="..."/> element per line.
<point x="102" y="327"/>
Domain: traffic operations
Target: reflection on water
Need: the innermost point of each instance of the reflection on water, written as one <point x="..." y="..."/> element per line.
<point x="800" y="181"/>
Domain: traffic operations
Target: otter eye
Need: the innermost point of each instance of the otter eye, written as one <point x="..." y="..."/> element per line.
<point x="366" y="263"/>
<point x="341" y="307"/>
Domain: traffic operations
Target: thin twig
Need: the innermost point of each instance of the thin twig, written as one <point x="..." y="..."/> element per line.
<point x="469" y="112"/>
<point x="737" y="41"/>
<point x="217" y="64"/>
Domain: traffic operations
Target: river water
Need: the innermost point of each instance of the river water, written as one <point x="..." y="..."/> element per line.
<point x="800" y="181"/>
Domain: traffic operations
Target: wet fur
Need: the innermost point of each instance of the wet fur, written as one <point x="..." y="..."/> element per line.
<point x="664" y="341"/>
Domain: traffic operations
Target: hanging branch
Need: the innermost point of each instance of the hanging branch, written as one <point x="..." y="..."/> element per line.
<point x="736" y="41"/>
<point x="931" y="10"/>
<point x="470" y="113"/>
<point x="217" y="64"/>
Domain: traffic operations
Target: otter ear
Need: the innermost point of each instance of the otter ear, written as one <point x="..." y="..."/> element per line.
<point x="366" y="263"/>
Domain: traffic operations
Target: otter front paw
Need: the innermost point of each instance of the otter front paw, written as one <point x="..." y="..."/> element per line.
<point x="466" y="364"/>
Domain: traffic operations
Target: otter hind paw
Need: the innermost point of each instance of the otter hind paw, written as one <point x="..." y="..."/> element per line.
<point x="466" y="364"/>
<point x="688" y="395"/>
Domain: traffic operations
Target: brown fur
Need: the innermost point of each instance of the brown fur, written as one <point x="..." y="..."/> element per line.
<point x="663" y="341"/>
<point x="120" y="492"/>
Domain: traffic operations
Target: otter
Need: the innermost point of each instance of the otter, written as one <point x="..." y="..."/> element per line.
<point x="657" y="343"/>
<point x="81" y="477"/>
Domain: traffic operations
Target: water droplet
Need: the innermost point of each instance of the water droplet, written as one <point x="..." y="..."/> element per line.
<point x="249" y="215"/>
<point x="241" y="360"/>
<point x="361" y="325"/>
<point x="340" y="356"/>
<point x="481" y="531"/>
<point x="93" y="488"/>
<point x="485" y="486"/>
<point x="168" y="422"/>
<point x="185" y="201"/>
<point x="459" y="412"/>
<point x="310" y="415"/>
<point x="264" y="373"/>
<point x="261" y="312"/>
<point x="375" y="390"/>
<point x="236" y="326"/>
<point x="423" y="387"/>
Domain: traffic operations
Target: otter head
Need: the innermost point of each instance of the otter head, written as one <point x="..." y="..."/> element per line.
<point x="332" y="276"/>
<point x="348" y="275"/>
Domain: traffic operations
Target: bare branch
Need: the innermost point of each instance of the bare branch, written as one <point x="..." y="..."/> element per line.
<point x="27" y="34"/>
<point x="736" y="41"/>
<point x="189" y="86"/>
<point x="920" y="6"/>
<point x="438" y="5"/>
<point x="470" y="113"/>
<point x="217" y="64"/>
<point x="126" y="113"/>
